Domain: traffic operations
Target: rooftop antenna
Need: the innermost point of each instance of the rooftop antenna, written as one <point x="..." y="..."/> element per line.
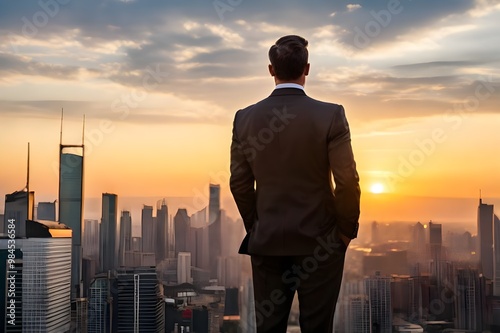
<point x="480" y="198"/>
<point x="62" y="115"/>
<point x="83" y="131"/>
<point x="28" y="171"/>
<point x="29" y="211"/>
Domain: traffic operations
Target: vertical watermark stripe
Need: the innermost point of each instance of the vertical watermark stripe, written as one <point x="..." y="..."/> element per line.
<point x="11" y="305"/>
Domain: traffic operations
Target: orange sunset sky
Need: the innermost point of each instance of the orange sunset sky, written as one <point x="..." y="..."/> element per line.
<point x="159" y="83"/>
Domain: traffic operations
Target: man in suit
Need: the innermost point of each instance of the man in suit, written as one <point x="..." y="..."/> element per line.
<point x="284" y="151"/>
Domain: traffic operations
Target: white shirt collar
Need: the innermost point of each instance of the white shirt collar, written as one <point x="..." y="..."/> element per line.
<point x="289" y="85"/>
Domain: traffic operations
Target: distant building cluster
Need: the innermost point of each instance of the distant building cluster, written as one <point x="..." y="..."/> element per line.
<point x="431" y="282"/>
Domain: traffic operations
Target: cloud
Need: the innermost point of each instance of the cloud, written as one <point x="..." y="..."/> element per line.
<point x="376" y="23"/>
<point x="437" y="64"/>
<point x="205" y="59"/>
<point x="352" y="7"/>
<point x="188" y="112"/>
<point x="11" y="65"/>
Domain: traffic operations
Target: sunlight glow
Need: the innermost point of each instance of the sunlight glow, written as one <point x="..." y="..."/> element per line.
<point x="377" y="188"/>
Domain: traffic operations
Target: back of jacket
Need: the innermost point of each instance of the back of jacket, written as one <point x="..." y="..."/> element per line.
<point x="284" y="151"/>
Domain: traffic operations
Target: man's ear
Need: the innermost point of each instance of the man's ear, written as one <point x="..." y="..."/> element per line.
<point x="306" y="69"/>
<point x="271" y="70"/>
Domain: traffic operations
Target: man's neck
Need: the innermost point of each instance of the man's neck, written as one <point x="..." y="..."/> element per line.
<point x="289" y="85"/>
<point x="300" y="81"/>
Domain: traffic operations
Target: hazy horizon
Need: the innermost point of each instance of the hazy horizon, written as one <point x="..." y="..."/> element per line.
<point x="451" y="212"/>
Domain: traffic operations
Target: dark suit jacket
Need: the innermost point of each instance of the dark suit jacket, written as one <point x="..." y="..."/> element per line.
<point x="283" y="153"/>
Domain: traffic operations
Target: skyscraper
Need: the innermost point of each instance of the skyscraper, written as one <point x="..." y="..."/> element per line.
<point x="139" y="304"/>
<point x="248" y="324"/>
<point x="404" y="297"/>
<point x="232" y="234"/>
<point x="91" y="238"/>
<point x="162" y="234"/>
<point x="468" y="300"/>
<point x="125" y="236"/>
<point x="184" y="268"/>
<point x="148" y="230"/>
<point x="71" y="159"/>
<point x="231" y="319"/>
<point x="485" y="235"/>
<point x="182" y="226"/>
<point x="214" y="228"/>
<point x="358" y="318"/>
<point x="46" y="277"/>
<point x="229" y="271"/>
<point x="201" y="239"/>
<point x="435" y="242"/>
<point x="496" y="256"/>
<point x="99" y="309"/>
<point x="378" y="289"/>
<point x="19" y="206"/>
<point x="109" y="234"/>
<point x="418" y="240"/>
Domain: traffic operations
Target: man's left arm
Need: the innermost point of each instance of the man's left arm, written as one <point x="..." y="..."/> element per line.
<point x="242" y="181"/>
<point x="347" y="191"/>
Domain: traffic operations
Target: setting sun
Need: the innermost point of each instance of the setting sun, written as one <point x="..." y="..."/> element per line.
<point x="377" y="188"/>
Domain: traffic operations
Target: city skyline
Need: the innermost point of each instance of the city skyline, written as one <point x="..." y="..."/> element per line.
<point x="159" y="84"/>
<point x="429" y="270"/>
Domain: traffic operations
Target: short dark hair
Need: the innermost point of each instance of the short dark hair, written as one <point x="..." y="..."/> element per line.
<point x="289" y="57"/>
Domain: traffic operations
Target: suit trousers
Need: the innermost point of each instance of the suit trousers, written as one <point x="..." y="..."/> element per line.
<point x="316" y="278"/>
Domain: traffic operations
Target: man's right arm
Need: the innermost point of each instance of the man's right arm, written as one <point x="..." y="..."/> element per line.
<point x="242" y="181"/>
